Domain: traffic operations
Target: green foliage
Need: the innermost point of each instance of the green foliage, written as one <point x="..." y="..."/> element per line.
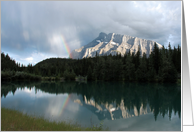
<point x="137" y="58"/>
<point x="69" y="75"/>
<point x="7" y="63"/>
<point x="130" y="68"/>
<point x="141" y="73"/>
<point x="89" y="73"/>
<point x="156" y="58"/>
<point x="168" y="72"/>
<point x="7" y="75"/>
<point x="12" y="75"/>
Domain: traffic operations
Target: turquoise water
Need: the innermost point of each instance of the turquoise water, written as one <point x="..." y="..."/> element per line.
<point x="117" y="105"/>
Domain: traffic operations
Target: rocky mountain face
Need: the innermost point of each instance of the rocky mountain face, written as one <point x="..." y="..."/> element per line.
<point x="112" y="43"/>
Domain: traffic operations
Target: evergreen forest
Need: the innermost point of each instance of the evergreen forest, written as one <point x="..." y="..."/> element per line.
<point x="162" y="65"/>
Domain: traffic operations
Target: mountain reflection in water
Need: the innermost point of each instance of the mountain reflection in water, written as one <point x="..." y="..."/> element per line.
<point x="111" y="100"/>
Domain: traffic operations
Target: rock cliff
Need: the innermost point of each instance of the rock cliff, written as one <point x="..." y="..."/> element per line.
<point x="112" y="43"/>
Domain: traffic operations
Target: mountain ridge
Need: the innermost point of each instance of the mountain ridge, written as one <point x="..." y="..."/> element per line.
<point x="113" y="43"/>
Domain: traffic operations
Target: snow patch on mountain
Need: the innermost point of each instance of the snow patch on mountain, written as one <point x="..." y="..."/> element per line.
<point x="98" y="41"/>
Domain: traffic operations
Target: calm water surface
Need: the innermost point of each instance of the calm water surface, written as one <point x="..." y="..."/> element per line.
<point x="119" y="106"/>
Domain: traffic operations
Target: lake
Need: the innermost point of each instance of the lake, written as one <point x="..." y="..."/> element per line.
<point x="119" y="106"/>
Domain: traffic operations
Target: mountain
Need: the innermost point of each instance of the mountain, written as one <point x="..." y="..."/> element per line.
<point x="112" y="43"/>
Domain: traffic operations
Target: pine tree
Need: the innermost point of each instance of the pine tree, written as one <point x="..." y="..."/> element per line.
<point x="137" y="58"/>
<point x="130" y="68"/>
<point x="156" y="58"/>
<point x="109" y="68"/>
<point x="179" y="59"/>
<point x="168" y="71"/>
<point x="101" y="68"/>
<point x="141" y="73"/>
<point x="72" y="75"/>
<point x="94" y="76"/>
<point x="89" y="73"/>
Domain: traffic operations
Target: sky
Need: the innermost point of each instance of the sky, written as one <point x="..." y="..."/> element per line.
<point x="32" y="31"/>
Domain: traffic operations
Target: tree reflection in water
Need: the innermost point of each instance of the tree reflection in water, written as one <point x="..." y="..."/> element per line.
<point x="162" y="99"/>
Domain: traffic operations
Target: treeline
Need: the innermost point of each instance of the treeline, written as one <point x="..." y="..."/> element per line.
<point x="162" y="65"/>
<point x="11" y="70"/>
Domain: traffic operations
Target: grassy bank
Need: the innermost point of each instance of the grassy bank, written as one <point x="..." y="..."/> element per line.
<point x="12" y="120"/>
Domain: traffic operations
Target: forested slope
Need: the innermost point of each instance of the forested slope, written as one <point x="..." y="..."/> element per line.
<point x="162" y="65"/>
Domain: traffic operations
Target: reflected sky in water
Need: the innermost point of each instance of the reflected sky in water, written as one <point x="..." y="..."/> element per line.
<point x="80" y="108"/>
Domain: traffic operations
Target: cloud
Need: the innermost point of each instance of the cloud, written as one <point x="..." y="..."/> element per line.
<point x="28" y="90"/>
<point x="38" y="56"/>
<point x="29" y="59"/>
<point x="28" y="27"/>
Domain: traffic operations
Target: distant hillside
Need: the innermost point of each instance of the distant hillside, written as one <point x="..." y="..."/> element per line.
<point x="54" y="61"/>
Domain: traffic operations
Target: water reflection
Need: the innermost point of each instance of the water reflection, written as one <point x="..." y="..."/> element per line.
<point x="112" y="100"/>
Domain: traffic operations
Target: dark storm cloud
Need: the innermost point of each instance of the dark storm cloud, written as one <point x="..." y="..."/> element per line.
<point x="36" y="27"/>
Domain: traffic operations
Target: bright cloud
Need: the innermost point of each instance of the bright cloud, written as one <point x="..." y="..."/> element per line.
<point x="29" y="59"/>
